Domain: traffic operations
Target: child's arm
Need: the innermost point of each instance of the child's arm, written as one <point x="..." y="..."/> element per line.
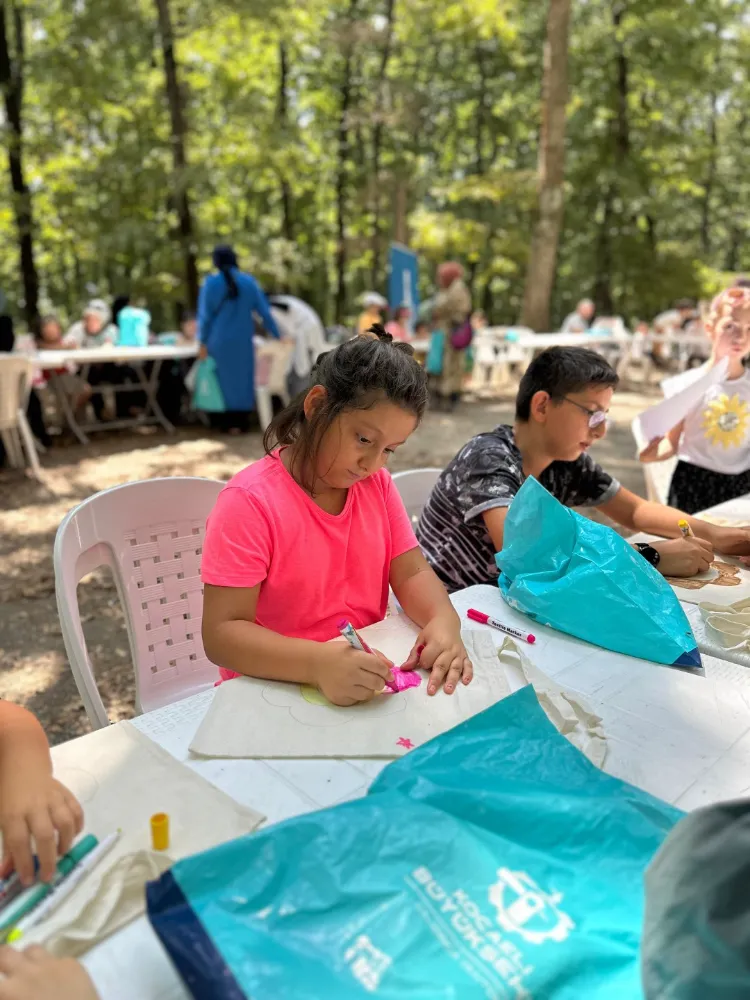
<point x="423" y="597"/>
<point x="32" y="803"/>
<point x="233" y="640"/>
<point x="35" y="975"/>
<point x="659" y="451"/>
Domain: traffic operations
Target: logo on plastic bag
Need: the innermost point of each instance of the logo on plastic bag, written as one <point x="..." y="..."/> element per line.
<point x="525" y="909"/>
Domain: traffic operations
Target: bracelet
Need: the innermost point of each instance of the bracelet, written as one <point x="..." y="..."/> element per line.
<point x="649" y="553"/>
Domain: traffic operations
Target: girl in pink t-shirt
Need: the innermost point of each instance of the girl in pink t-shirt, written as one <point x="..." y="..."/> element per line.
<point x="316" y="532"/>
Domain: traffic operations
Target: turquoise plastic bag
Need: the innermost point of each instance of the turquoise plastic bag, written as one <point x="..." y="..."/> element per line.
<point x="434" y="362"/>
<point x="493" y="862"/>
<point x="207" y="394"/>
<point x="580" y="577"/>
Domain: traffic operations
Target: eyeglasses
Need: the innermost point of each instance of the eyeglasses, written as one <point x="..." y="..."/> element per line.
<point x="596" y="417"/>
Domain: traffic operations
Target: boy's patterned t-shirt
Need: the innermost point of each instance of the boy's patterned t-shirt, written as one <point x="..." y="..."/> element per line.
<point x="487" y="473"/>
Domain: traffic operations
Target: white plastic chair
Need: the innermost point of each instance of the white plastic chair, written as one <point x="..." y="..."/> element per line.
<point x="414" y="487"/>
<point x="658" y="475"/>
<point x="16" y="374"/>
<point x="150" y="534"/>
<point x="274" y="359"/>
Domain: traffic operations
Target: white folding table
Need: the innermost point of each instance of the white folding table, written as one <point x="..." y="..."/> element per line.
<point x="136" y="357"/>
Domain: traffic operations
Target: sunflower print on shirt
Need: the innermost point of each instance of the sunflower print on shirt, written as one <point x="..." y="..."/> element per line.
<point x="725" y="421"/>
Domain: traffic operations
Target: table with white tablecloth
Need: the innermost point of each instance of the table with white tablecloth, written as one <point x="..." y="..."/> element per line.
<point x="682" y="736"/>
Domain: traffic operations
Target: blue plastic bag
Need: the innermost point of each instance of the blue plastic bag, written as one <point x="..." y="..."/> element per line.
<point x="207" y="394"/>
<point x="494" y="861"/>
<point x="580" y="577"/>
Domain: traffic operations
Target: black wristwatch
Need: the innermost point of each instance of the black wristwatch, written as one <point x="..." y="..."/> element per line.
<point x="649" y="553"/>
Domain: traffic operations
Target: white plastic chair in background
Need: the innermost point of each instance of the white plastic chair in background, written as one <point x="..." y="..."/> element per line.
<point x="658" y="475"/>
<point x="16" y="374"/>
<point x="150" y="533"/>
<point x="414" y="487"/>
<point x="272" y="361"/>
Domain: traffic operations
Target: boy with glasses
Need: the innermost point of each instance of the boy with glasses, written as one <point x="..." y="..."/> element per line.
<point x="561" y="410"/>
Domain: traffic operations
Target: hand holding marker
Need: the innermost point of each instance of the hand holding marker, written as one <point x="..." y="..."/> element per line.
<point x="356" y="641"/>
<point x="517" y="633"/>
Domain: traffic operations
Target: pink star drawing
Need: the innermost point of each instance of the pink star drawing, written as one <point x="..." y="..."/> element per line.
<point x="403" y="742"/>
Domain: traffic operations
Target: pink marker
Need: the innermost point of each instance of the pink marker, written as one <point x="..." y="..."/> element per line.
<point x="356" y="641"/>
<point x="517" y="633"/>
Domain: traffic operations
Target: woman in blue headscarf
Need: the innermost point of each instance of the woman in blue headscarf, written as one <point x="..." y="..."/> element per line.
<point x="225" y="329"/>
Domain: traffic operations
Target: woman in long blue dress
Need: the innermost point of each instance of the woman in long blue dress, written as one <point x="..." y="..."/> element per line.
<point x="226" y="326"/>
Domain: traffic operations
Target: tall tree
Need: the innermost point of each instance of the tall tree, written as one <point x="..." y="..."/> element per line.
<point x="540" y="276"/>
<point x="12" y="71"/>
<point x="377" y="142"/>
<point x="179" y="157"/>
<point x="346" y="87"/>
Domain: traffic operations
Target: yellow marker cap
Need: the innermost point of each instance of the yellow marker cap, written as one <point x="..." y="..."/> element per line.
<point x="15" y="935"/>
<point x="160" y="832"/>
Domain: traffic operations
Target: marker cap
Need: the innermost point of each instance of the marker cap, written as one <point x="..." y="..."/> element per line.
<point x="160" y="831"/>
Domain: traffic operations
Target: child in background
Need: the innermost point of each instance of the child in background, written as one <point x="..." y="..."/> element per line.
<point x="316" y="531"/>
<point x="34" y="974"/>
<point x="33" y="805"/>
<point x="713" y="442"/>
<point x="561" y="410"/>
<point x="50" y="338"/>
<point x="399" y="325"/>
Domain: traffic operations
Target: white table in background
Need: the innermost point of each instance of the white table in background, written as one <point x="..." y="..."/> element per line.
<point x="135" y="357"/>
<point x="683" y="737"/>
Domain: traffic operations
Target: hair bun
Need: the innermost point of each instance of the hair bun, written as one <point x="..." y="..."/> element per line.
<point x="378" y="332"/>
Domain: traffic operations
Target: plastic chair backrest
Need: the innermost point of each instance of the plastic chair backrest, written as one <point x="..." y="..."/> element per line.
<point x="150" y="533"/>
<point x="15" y="382"/>
<point x="414" y="487"/>
<point x="658" y="475"/>
<point x="277" y="357"/>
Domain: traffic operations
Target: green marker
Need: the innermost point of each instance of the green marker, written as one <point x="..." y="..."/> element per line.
<point x="34" y="895"/>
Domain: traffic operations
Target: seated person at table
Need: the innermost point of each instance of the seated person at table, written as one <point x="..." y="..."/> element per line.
<point x="172" y="391"/>
<point x="96" y="330"/>
<point x="579" y="321"/>
<point x="34" y="974"/>
<point x="713" y="441"/>
<point x="316" y="532"/>
<point x="561" y="411"/>
<point x="50" y="338"/>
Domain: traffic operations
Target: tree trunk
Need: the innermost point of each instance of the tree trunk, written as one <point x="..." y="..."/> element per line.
<point x="602" y="280"/>
<point x="179" y="158"/>
<point x="540" y="276"/>
<point x="377" y="142"/>
<point x="343" y="163"/>
<point x="11" y="84"/>
<point x="287" y="204"/>
<point x="708" y="183"/>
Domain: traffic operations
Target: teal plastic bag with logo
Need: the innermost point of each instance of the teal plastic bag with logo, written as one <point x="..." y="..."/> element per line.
<point x="581" y="577"/>
<point x="207" y="394"/>
<point x="493" y="862"/>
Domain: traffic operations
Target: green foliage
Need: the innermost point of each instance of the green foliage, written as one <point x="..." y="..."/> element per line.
<point x="657" y="197"/>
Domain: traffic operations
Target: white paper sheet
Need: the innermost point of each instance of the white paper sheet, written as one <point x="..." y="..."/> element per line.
<point x="121" y="778"/>
<point x="268" y="719"/>
<point x="657" y="420"/>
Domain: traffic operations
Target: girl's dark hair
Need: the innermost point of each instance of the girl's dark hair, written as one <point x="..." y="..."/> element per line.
<point x="225" y="259"/>
<point x="356" y="375"/>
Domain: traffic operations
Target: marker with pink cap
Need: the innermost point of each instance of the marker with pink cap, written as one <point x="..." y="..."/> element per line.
<point x="517" y="633"/>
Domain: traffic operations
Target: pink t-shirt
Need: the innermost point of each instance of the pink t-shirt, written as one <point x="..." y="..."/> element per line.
<point x="314" y="567"/>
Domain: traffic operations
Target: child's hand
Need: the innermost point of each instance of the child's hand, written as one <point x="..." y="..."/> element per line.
<point x="35" y="975"/>
<point x="730" y="541"/>
<point x="347" y="676"/>
<point x="651" y="452"/>
<point x="439" y="649"/>
<point x="34" y="805"/>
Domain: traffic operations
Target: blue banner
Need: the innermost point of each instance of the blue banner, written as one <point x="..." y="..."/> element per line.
<point x="403" y="286"/>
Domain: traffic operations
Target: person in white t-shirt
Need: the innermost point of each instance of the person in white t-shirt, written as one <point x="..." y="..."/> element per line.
<point x="712" y="443"/>
<point x="300" y="323"/>
<point x="580" y="320"/>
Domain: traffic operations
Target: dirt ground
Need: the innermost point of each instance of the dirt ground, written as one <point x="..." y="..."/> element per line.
<point x="33" y="667"/>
